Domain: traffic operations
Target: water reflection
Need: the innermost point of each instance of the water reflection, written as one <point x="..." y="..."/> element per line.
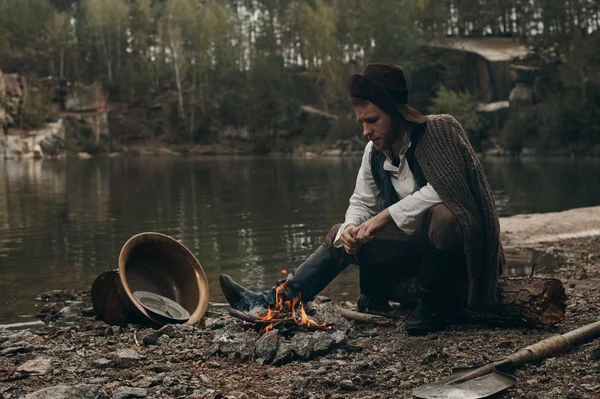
<point x="62" y="223"/>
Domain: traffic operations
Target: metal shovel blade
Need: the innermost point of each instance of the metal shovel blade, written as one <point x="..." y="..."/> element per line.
<point x="480" y="387"/>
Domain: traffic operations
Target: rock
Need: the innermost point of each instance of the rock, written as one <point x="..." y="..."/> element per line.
<point x="300" y="383"/>
<point x="84" y="155"/>
<point x="328" y="313"/>
<point x="302" y="345"/>
<point x="336" y="152"/>
<point x="13" y="350"/>
<point x="62" y="295"/>
<point x="347" y="385"/>
<point x="150" y="337"/>
<point x="126" y="358"/>
<point x="505" y="344"/>
<point x="234" y="343"/>
<point x="66" y="312"/>
<point x="339" y="337"/>
<point x="591" y="387"/>
<point x="463" y="346"/>
<point x="266" y="346"/>
<point x="555" y="251"/>
<point x="284" y="353"/>
<point x="521" y="94"/>
<point x="216" y="323"/>
<point x="163" y="340"/>
<point x="430" y="356"/>
<point x="172" y="331"/>
<point x="167" y="152"/>
<point x="529" y="152"/>
<point x="81" y="391"/>
<point x="82" y="98"/>
<point x="168" y="381"/>
<point x="322" y="342"/>
<point x="12" y="85"/>
<point x="496" y="151"/>
<point x="129" y="392"/>
<point x="40" y="365"/>
<point x="102" y="363"/>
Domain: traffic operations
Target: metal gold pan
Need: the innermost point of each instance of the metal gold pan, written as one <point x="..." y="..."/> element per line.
<point x="159" y="264"/>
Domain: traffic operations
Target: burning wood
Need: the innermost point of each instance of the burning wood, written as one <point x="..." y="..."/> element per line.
<point x="285" y="311"/>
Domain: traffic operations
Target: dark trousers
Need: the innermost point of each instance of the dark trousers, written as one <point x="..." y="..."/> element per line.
<point x="393" y="258"/>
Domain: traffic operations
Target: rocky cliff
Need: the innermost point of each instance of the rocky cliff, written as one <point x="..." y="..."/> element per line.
<point x="45" y="118"/>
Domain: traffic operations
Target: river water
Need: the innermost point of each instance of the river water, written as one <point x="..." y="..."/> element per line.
<point x="64" y="222"/>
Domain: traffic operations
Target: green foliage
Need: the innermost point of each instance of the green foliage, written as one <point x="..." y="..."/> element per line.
<point x="234" y="62"/>
<point x="568" y="117"/>
<point x="271" y="104"/>
<point x="344" y="128"/>
<point x="21" y="27"/>
<point x="34" y="109"/>
<point x="519" y="130"/>
<point x="462" y="106"/>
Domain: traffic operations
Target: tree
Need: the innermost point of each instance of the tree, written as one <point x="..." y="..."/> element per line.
<point x="107" y="20"/>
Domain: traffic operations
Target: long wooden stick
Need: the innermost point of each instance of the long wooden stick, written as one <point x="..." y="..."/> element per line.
<point x="241" y="315"/>
<point x="346" y="313"/>
<point x="363" y="317"/>
<point x="254" y="320"/>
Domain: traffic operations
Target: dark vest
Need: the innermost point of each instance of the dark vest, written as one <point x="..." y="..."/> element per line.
<point x="382" y="177"/>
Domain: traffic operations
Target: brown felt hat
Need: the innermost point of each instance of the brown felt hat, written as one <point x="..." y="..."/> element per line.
<point x="386" y="86"/>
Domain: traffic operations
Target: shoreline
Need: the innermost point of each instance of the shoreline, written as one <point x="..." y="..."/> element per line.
<point x="341" y="149"/>
<point x="76" y="355"/>
<point x="529" y="229"/>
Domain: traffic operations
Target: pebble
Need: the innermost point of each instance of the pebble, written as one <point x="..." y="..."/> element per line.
<point x="41" y="365"/>
<point x="102" y="363"/>
<point x="126" y="357"/>
<point x="347" y="385"/>
<point x="69" y="392"/>
<point x="300" y="383"/>
<point x="129" y="392"/>
<point x="168" y="381"/>
<point x="163" y="340"/>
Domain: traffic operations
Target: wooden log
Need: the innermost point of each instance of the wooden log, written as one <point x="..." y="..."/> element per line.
<point x="362" y="317"/>
<point x="108" y="300"/>
<point x="522" y="301"/>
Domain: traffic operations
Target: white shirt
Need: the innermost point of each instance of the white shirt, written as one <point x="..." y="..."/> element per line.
<point x="365" y="202"/>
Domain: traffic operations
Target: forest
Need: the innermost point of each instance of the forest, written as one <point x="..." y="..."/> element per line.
<point x="253" y="63"/>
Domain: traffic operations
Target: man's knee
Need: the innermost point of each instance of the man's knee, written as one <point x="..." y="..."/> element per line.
<point x="444" y="229"/>
<point x="330" y="237"/>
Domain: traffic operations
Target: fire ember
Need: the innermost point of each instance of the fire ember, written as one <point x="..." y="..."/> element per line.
<point x="288" y="313"/>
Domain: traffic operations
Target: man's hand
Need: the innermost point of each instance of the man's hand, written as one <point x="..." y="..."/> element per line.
<point x="368" y="229"/>
<point x="349" y="241"/>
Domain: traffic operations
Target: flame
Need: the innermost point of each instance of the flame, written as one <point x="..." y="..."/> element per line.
<point x="283" y="307"/>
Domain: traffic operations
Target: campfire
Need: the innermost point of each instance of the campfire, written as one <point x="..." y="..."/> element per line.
<point x="288" y="313"/>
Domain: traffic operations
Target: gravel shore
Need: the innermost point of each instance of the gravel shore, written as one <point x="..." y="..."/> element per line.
<point x="74" y="356"/>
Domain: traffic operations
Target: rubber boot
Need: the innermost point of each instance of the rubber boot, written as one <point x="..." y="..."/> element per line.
<point x="436" y="279"/>
<point x="310" y="278"/>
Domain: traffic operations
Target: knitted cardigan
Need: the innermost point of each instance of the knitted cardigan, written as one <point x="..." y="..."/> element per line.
<point x="449" y="163"/>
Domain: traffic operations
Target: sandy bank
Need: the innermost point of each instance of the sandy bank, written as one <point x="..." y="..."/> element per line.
<point x="543" y="227"/>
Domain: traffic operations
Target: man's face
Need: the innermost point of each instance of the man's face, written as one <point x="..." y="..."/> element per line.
<point x="377" y="125"/>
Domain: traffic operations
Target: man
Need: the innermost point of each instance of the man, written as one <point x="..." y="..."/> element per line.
<point x="421" y="206"/>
